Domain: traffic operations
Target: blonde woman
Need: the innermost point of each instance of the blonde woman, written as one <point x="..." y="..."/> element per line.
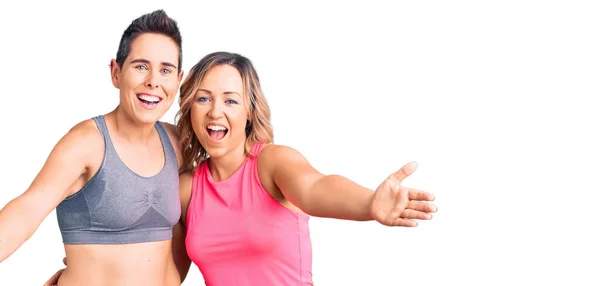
<point x="246" y="201"/>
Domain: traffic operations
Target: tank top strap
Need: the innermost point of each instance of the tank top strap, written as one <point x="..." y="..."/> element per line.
<point x="101" y="124"/>
<point x="170" y="155"/>
<point x="257" y="148"/>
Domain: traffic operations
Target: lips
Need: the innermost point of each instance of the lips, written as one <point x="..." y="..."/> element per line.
<point x="216" y="132"/>
<point x="149" y="100"/>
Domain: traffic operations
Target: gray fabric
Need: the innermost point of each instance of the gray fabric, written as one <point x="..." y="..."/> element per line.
<point x="118" y="206"/>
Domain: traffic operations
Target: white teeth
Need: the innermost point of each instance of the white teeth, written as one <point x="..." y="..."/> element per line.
<point x="150" y="98"/>
<point x="216" y="127"/>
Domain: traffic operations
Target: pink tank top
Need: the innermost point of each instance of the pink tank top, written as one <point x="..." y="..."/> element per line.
<point x="237" y="234"/>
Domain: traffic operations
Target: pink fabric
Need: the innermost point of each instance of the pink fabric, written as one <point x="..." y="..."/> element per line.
<point x="237" y="234"/>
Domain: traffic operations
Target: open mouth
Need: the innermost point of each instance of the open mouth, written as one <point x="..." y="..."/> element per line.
<point x="148" y="100"/>
<point x="216" y="132"/>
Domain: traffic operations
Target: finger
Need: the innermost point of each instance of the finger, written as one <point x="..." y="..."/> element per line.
<point x="400" y="204"/>
<point x="421" y="207"/>
<point x="412" y="214"/>
<point x="404" y="172"/>
<point x="419" y="195"/>
<point x="54" y="279"/>
<point x="404" y="222"/>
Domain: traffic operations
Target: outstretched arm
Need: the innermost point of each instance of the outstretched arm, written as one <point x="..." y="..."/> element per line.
<point x="66" y="163"/>
<point x="335" y="196"/>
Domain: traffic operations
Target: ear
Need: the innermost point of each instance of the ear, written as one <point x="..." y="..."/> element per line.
<point x="115" y="71"/>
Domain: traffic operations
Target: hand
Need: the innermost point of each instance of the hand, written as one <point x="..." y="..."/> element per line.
<point x="395" y="205"/>
<point x="54" y="279"/>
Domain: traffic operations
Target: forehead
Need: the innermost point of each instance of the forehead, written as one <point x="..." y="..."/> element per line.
<point x="154" y="47"/>
<point x="222" y="78"/>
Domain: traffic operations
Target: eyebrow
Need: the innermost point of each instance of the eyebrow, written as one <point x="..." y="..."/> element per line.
<point x="227" y="92"/>
<point x="145" y="61"/>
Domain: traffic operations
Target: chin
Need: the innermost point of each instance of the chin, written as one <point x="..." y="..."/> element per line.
<point x="215" y="152"/>
<point x="148" y="118"/>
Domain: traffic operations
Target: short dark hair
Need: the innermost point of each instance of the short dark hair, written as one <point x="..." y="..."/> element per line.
<point x="156" y="22"/>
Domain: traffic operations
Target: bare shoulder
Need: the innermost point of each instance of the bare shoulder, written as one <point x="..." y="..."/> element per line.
<point x="172" y="132"/>
<point x="175" y="141"/>
<point x="274" y="154"/>
<point x="275" y="157"/>
<point x="87" y="127"/>
<point x="282" y="168"/>
<point x="171" y="129"/>
<point x="83" y="138"/>
<point x="78" y="152"/>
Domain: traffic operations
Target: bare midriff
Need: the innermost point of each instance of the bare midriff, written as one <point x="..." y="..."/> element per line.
<point x="148" y="264"/>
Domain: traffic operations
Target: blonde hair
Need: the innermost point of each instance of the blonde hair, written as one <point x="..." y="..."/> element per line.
<point x="258" y="128"/>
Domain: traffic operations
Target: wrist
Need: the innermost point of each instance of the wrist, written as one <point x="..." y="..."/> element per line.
<point x="369" y="213"/>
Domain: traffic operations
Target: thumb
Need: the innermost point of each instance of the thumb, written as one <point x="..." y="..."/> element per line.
<point x="404" y="172"/>
<point x="54" y="279"/>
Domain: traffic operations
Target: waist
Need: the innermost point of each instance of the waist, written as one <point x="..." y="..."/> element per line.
<point x="128" y="264"/>
<point x="254" y="273"/>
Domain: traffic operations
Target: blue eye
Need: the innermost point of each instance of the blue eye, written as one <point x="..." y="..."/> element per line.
<point x="202" y="99"/>
<point x="141" y="67"/>
<point x="231" y="101"/>
<point x="166" y="71"/>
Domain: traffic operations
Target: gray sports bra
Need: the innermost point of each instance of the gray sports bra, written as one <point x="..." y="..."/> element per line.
<point x="118" y="206"/>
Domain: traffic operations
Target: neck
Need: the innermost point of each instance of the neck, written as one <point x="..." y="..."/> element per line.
<point x="223" y="167"/>
<point x="129" y="129"/>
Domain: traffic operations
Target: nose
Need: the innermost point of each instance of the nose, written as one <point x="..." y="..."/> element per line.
<point x="216" y="110"/>
<point x="152" y="80"/>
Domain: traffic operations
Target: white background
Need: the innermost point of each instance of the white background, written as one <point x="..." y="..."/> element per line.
<point x="494" y="100"/>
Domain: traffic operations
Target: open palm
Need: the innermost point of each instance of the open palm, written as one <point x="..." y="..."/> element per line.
<point x="396" y="205"/>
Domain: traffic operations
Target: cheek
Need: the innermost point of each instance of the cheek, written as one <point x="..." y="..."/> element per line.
<point x="238" y="119"/>
<point x="131" y="79"/>
<point x="171" y="86"/>
<point x="196" y="118"/>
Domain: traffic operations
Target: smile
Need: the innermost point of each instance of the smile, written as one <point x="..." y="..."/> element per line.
<point x="148" y="100"/>
<point x="216" y="132"/>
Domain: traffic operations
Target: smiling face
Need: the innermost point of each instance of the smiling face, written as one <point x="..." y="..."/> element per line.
<point x="148" y="79"/>
<point x="222" y="109"/>
<point x="219" y="113"/>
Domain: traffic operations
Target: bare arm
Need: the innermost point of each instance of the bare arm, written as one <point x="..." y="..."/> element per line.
<point x="335" y="196"/>
<point x="21" y="217"/>
<point x="182" y="260"/>
<point x="331" y="196"/>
